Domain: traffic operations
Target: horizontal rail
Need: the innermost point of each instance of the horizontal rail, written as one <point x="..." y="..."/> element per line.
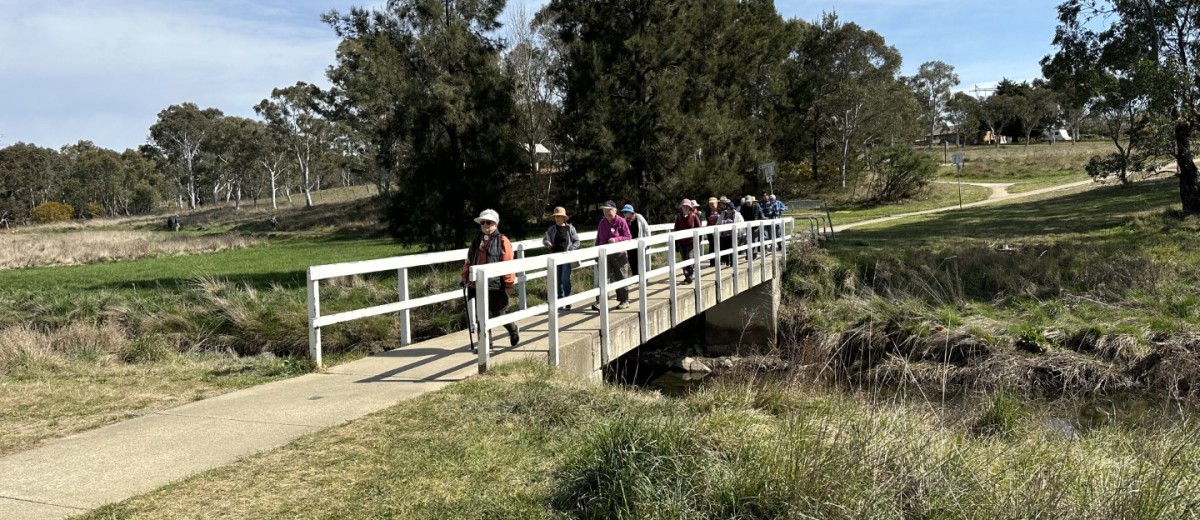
<point x="530" y="268"/>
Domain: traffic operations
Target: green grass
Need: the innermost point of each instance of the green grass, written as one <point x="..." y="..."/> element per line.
<point x="525" y="442"/>
<point x="940" y="196"/>
<point x="1027" y="168"/>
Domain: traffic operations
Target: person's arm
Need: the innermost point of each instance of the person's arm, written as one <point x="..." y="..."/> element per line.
<point x="623" y="233"/>
<point x="506" y="254"/>
<point x="602" y="234"/>
<point x="548" y="240"/>
<point x="574" y="238"/>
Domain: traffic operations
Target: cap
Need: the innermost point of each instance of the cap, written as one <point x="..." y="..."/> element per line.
<point x="488" y="214"/>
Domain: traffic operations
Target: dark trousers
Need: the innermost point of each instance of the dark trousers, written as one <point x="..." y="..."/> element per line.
<point x="688" y="268"/>
<point x="726" y="245"/>
<point x="564" y="280"/>
<point x="618" y="269"/>
<point x="497" y="302"/>
<point x="635" y="263"/>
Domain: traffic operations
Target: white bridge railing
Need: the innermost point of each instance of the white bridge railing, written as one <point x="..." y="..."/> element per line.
<point x="757" y="235"/>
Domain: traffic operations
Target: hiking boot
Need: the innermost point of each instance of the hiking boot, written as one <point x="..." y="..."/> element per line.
<point x="595" y="307"/>
<point x="513" y="338"/>
<point x="687" y="280"/>
<point x="622" y="305"/>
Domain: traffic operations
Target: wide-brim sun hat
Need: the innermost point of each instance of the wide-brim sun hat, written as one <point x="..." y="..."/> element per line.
<point x="559" y="211"/>
<point x="750" y="198"/>
<point x="628" y="208"/>
<point x="488" y="214"/>
<point x="686" y="202"/>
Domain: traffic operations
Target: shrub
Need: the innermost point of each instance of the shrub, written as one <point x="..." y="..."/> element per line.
<point x="52" y="212"/>
<point x="902" y="173"/>
<point x="94" y="210"/>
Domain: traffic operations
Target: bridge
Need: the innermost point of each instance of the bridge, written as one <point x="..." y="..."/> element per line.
<point x="739" y="301"/>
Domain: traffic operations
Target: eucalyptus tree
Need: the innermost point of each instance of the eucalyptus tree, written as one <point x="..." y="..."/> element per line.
<point x="866" y="70"/>
<point x="29" y="175"/>
<point x="180" y="134"/>
<point x="931" y="85"/>
<point x="963" y="112"/>
<point x="995" y="112"/>
<point x="1155" y="45"/>
<point x="421" y="81"/>
<point x="292" y="113"/>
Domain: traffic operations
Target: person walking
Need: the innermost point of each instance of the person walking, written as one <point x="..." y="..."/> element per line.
<point x="751" y="211"/>
<point x="611" y="231"/>
<point x="712" y="215"/>
<point x="688" y="219"/>
<point x="638" y="228"/>
<point x="729" y="215"/>
<point x="559" y="238"/>
<point x="489" y="247"/>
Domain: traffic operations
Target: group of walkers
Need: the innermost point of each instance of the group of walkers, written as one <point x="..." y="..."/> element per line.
<point x="492" y="246"/>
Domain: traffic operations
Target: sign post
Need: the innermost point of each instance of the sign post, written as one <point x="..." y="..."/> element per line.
<point x="959" y="158"/>
<point x="768" y="173"/>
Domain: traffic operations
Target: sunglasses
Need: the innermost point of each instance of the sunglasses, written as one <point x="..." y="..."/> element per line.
<point x="486" y="223"/>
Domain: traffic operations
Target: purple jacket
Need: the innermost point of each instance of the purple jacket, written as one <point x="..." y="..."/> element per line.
<point x="618" y="229"/>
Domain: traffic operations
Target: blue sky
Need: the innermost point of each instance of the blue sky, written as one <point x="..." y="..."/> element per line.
<point x="101" y="70"/>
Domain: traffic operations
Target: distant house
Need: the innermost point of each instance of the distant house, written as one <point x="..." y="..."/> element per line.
<point x="986" y="138"/>
<point x="941" y="134"/>
<point x="541" y="155"/>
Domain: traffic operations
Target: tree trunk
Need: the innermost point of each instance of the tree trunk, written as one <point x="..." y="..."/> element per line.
<point x="1189" y="192"/>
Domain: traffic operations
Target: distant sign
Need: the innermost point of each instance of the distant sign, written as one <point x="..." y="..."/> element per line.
<point x="958" y="158"/>
<point x="768" y="171"/>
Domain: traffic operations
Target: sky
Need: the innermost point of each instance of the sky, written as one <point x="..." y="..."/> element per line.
<point x="101" y="70"/>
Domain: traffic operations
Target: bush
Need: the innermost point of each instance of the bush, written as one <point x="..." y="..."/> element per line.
<point x="902" y="173"/>
<point x="94" y="210"/>
<point x="52" y="212"/>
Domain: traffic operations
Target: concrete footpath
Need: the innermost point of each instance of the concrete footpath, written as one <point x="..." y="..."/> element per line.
<point x="75" y="474"/>
<point x="999" y="193"/>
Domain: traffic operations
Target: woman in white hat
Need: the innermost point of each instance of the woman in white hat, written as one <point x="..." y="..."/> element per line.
<point x="491" y="246"/>
<point x="559" y="238"/>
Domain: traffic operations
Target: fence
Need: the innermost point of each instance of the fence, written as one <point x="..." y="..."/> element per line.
<point x="527" y="269"/>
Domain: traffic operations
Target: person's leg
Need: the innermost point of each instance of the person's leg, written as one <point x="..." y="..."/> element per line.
<point x="618" y="270"/>
<point x="497" y="302"/>
<point x="564" y="280"/>
<point x="634" y="265"/>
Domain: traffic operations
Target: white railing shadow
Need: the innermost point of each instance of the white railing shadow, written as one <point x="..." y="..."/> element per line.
<point x="759" y="235"/>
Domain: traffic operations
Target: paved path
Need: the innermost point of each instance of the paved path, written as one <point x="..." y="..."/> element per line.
<point x="999" y="193"/>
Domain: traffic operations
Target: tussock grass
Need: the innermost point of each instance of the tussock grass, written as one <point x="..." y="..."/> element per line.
<point x="81" y="376"/>
<point x="82" y="247"/>
<point x="492" y="447"/>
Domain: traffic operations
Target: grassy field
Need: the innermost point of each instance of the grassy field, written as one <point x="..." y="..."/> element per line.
<point x="940" y="196"/>
<point x="525" y="442"/>
<point x="1028" y="168"/>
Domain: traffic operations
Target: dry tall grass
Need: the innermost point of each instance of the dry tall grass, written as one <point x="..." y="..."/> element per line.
<point x="87" y="246"/>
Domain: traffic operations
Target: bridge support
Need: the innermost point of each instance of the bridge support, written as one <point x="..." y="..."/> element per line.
<point x="749" y="318"/>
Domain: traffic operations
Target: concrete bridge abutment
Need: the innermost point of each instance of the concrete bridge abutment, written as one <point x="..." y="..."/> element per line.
<point x="749" y="318"/>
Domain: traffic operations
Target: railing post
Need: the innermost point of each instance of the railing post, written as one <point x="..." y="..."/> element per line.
<point x="643" y="298"/>
<point x="749" y="254"/>
<point x="481" y="315"/>
<point x="406" y="314"/>
<point x="696" y="250"/>
<point x="737" y="262"/>
<point x="521" y="277"/>
<point x="552" y="315"/>
<point x="602" y="269"/>
<point x="674" y="291"/>
<point x="716" y="250"/>
<point x="762" y="251"/>
<point x="314" y="312"/>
